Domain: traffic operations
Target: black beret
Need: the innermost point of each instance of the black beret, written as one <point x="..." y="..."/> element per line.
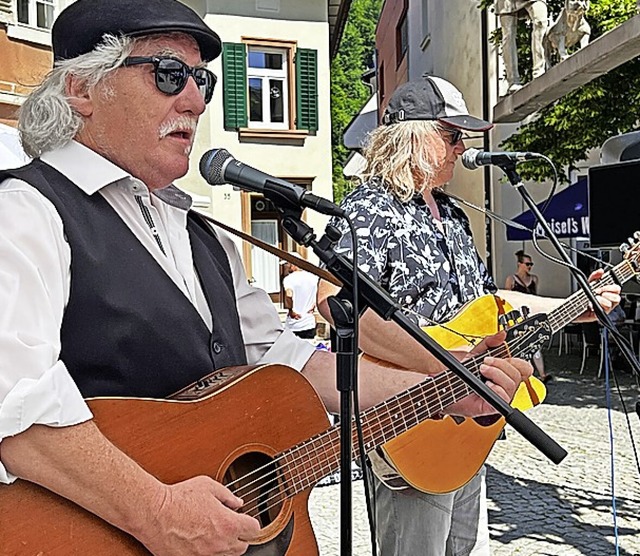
<point x="80" y="27"/>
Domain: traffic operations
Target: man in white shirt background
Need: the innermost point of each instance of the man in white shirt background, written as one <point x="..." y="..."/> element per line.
<point x="300" y="289"/>
<point x="111" y="286"/>
<point x="11" y="153"/>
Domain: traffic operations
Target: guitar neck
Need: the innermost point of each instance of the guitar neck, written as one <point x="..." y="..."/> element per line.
<point x="305" y="464"/>
<point x="577" y="303"/>
<point x="308" y="462"/>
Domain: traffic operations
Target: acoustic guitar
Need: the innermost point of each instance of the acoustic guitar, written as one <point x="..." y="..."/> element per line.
<point x="440" y="456"/>
<point x="261" y="431"/>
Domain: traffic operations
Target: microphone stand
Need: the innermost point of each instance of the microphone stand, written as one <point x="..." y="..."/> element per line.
<point x="373" y="296"/>
<point x="509" y="168"/>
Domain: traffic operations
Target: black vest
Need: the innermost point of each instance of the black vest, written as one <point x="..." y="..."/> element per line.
<point x="128" y="330"/>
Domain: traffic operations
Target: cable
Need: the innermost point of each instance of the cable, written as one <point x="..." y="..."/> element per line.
<point x="605" y="348"/>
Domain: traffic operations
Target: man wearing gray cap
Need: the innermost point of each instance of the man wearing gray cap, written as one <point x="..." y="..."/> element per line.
<point x="416" y="242"/>
<point x="111" y="286"/>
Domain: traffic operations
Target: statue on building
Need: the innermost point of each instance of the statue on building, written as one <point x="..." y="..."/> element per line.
<point x="569" y="29"/>
<point x="509" y="11"/>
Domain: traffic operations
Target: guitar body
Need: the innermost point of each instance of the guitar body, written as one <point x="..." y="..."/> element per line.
<point x="253" y="415"/>
<point x="439" y="456"/>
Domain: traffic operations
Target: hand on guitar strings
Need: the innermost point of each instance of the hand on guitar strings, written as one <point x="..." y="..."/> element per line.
<point x="502" y="375"/>
<point x="199" y="516"/>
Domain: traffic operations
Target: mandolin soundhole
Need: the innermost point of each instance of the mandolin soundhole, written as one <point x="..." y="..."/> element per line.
<point x="256" y="479"/>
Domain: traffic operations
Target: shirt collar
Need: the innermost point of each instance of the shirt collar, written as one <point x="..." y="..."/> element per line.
<point x="91" y="172"/>
<point x="84" y="167"/>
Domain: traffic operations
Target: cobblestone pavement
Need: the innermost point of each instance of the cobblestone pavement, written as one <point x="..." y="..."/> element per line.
<point x="536" y="507"/>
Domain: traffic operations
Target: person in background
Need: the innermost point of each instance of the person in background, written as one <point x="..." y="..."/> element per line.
<point x="417" y="243"/>
<point x="111" y="286"/>
<point x="525" y="282"/>
<point x="300" y="290"/>
<point x="12" y="154"/>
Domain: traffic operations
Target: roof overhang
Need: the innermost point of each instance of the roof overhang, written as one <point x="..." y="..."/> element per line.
<point x="356" y="133"/>
<point x="338" y="12"/>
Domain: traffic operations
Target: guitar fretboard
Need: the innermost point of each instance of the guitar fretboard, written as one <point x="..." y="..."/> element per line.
<point x="305" y="464"/>
<point x="577" y="303"/>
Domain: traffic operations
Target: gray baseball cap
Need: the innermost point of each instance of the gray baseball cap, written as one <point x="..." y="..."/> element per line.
<point x="432" y="98"/>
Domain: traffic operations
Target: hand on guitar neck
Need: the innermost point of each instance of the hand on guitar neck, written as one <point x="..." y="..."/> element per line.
<point x="503" y="376"/>
<point x="607" y="293"/>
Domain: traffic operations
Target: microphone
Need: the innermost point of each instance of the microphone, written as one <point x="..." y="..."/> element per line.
<point x="218" y="167"/>
<point x="472" y="159"/>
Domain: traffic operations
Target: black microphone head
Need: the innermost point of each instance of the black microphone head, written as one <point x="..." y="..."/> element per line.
<point x="469" y="159"/>
<point x="212" y="165"/>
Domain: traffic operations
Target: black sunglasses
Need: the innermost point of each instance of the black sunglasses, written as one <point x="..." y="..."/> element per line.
<point x="455" y="135"/>
<point x="528" y="264"/>
<point x="172" y="74"/>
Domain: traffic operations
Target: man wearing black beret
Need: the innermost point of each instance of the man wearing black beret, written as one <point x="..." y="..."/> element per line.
<point x="111" y="286"/>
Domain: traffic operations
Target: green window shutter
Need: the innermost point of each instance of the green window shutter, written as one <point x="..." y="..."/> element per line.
<point x="234" y="68"/>
<point x="307" y="89"/>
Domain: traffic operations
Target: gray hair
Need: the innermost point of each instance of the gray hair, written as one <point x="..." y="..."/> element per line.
<point x="47" y="120"/>
<point x="398" y="152"/>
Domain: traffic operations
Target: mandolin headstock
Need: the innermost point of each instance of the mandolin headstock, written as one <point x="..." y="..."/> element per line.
<point x="631" y="251"/>
<point x="529" y="336"/>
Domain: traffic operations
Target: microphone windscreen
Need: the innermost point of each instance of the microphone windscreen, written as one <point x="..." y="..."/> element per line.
<point x="469" y="159"/>
<point x="212" y="164"/>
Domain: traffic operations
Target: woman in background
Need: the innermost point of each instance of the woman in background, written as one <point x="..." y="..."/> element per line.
<point x="526" y="282"/>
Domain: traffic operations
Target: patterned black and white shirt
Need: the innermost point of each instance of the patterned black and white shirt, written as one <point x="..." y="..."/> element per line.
<point x="400" y="246"/>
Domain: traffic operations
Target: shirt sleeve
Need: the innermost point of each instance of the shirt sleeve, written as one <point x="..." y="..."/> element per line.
<point x="35" y="386"/>
<point x="266" y="341"/>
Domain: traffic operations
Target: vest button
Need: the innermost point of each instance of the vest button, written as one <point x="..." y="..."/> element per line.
<point x="217" y="348"/>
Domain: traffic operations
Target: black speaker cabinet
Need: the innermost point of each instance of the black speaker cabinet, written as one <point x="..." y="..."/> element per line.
<point x="614" y="203"/>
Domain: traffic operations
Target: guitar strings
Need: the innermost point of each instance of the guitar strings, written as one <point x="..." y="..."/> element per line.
<point x="323" y="457"/>
<point x="277" y="468"/>
<point x="403" y="401"/>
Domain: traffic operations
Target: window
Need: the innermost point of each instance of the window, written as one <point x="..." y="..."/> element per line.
<point x="36" y="13"/>
<point x="270" y="85"/>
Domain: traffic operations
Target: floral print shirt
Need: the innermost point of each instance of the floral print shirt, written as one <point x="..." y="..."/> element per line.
<point x="401" y="247"/>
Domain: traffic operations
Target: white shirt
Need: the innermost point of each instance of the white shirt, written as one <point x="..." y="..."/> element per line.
<point x="35" y="274"/>
<point x="11" y="153"/>
<point x="304" y="287"/>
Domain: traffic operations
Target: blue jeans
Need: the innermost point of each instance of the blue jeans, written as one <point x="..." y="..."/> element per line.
<point x="412" y="523"/>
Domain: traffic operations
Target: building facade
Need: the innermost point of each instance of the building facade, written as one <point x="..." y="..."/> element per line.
<point x="270" y="108"/>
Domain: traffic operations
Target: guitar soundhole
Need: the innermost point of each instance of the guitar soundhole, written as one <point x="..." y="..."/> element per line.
<point x="256" y="479"/>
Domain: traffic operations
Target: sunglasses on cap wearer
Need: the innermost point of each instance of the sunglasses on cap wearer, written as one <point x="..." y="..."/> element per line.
<point x="454" y="136"/>
<point x="172" y="74"/>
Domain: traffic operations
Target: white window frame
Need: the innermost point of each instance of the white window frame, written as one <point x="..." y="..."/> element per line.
<point x="264" y="74"/>
<point x="29" y="31"/>
<point x="33" y="13"/>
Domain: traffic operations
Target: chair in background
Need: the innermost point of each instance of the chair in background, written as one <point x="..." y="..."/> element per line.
<point x="591" y="344"/>
<point x="566" y="337"/>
